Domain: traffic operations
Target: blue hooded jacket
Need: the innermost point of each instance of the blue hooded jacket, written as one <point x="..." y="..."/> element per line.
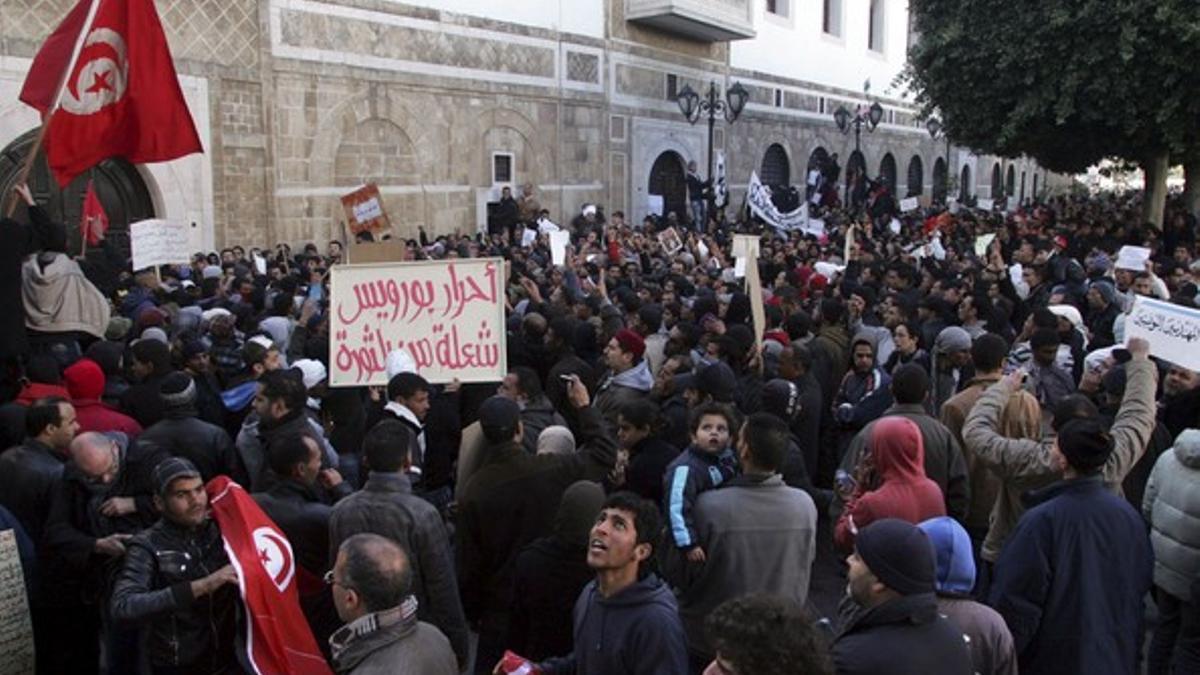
<point x="955" y="562"/>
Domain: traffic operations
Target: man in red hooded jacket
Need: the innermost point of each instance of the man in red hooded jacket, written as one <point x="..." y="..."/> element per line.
<point x="85" y="381"/>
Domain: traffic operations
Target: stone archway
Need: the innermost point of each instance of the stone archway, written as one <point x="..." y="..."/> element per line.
<point x="668" y="180"/>
<point x="120" y="186"/>
<point x="964" y="184"/>
<point x="916" y="177"/>
<point x="776" y="168"/>
<point x="941" y="180"/>
<point x="887" y="171"/>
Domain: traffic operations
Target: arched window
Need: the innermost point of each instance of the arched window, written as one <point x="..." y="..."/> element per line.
<point x="1022" y="186"/>
<point x="887" y="171"/>
<point x="964" y="184"/>
<point x="876" y="31"/>
<point x="1035" y="186"/>
<point x="775" y="169"/>
<point x="940" y="180"/>
<point x="997" y="184"/>
<point x="1010" y="181"/>
<point x="916" y="177"/>
<point x="667" y="181"/>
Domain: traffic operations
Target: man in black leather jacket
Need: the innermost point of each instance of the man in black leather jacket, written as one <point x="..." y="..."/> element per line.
<point x="177" y="582"/>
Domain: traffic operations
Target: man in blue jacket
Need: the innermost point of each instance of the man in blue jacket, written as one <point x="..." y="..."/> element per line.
<point x="1071" y="579"/>
<point x="626" y="621"/>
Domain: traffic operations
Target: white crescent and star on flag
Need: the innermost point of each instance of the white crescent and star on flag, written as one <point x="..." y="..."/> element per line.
<point x="275" y="554"/>
<point x="102" y="76"/>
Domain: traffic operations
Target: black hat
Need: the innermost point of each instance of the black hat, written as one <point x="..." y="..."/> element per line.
<point x="782" y="399"/>
<point x="171" y="469"/>
<point x="499" y="417"/>
<point x="716" y="380"/>
<point x="178" y="389"/>
<point x="899" y="554"/>
<point x="1085" y="443"/>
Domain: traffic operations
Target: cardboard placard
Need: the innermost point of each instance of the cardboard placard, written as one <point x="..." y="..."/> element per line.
<point x="16" y="626"/>
<point x="158" y="242"/>
<point x="448" y="314"/>
<point x="365" y="212"/>
<point x="670" y="240"/>
<point x="745" y="245"/>
<point x="378" y="252"/>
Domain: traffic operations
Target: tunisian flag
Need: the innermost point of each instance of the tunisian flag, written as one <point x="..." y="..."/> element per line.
<point x="278" y="639"/>
<point x="121" y="97"/>
<point x="94" y="222"/>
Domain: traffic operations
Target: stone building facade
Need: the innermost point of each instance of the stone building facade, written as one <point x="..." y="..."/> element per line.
<point x="440" y="103"/>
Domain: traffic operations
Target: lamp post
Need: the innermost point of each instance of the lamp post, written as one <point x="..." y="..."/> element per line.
<point x="934" y="126"/>
<point x="693" y="107"/>
<point x="863" y="116"/>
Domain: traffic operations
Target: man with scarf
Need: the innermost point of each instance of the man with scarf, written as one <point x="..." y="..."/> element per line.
<point x="105" y="497"/>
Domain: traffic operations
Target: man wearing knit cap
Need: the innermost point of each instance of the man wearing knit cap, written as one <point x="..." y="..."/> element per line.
<point x="85" y="381"/>
<point x="1104" y="306"/>
<point x="1071" y="579"/>
<point x="628" y="378"/>
<point x="510" y="501"/>
<point x="181" y="433"/>
<point x="900" y="632"/>
<point x="951" y="365"/>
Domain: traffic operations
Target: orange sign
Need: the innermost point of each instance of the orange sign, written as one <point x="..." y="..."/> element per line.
<point x="365" y="212"/>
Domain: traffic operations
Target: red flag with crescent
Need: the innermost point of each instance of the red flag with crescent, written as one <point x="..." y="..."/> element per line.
<point x="278" y="639"/>
<point x="119" y="97"/>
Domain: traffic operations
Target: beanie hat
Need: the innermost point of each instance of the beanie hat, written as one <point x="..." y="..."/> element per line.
<point x="577" y="510"/>
<point x="313" y="372"/>
<point x="1085" y="443"/>
<point x="1106" y="289"/>
<point x="952" y="339"/>
<point x="556" y="440"/>
<point x="155" y="333"/>
<point x="716" y="380"/>
<point x="631" y="342"/>
<point x="193" y="348"/>
<point x="85" y="380"/>
<point x="899" y="554"/>
<point x="211" y="272"/>
<point x="782" y="399"/>
<point x="178" y="390"/>
<point x="118" y="328"/>
<point x="171" y="469"/>
<point x="498" y="417"/>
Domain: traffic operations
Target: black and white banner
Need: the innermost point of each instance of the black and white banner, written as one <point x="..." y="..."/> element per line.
<point x="758" y="197"/>
<point x="720" y="183"/>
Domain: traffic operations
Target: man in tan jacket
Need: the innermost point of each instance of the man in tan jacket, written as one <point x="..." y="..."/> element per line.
<point x="1024" y="464"/>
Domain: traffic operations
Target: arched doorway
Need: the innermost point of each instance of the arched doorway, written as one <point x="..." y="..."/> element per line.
<point x="964" y="184"/>
<point x="887" y="172"/>
<point x="1035" y="187"/>
<point x="1022" y="186"/>
<point x="775" y="170"/>
<point x="939" y="180"/>
<point x="120" y="187"/>
<point x="667" y="179"/>
<point x="855" y="166"/>
<point x="1010" y="181"/>
<point x="916" y="177"/>
<point x="997" y="182"/>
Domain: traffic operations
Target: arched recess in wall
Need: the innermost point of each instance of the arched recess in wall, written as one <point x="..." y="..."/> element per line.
<point x="120" y="186"/>
<point x="964" y="184"/>
<point x="506" y="130"/>
<point x="775" y="168"/>
<point x="916" y="177"/>
<point x="1010" y="181"/>
<point x="667" y="181"/>
<point x="940" y="180"/>
<point x="887" y="171"/>
<point x="997" y="181"/>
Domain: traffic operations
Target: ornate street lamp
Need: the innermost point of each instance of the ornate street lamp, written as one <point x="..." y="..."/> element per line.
<point x="934" y="126"/>
<point x="694" y="107"/>
<point x="862" y="117"/>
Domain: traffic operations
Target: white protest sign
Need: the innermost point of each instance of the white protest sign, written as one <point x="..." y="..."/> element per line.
<point x="1132" y="258"/>
<point x="828" y="270"/>
<point x="936" y="249"/>
<point x="910" y="204"/>
<point x="260" y="264"/>
<point x="952" y="206"/>
<point x="982" y="242"/>
<point x="448" y="314"/>
<point x="739" y="268"/>
<point x="1172" y="331"/>
<point x="546" y="226"/>
<point x="16" y="627"/>
<point x="368" y="210"/>
<point x="158" y="242"/>
<point x="745" y="246"/>
<point x="528" y="237"/>
<point x="670" y="241"/>
<point x="894" y="226"/>
<point x="986" y="204"/>
<point x="654" y="203"/>
<point x="559" y="239"/>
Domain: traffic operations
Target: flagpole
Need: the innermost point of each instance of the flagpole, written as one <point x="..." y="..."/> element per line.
<point x="27" y="167"/>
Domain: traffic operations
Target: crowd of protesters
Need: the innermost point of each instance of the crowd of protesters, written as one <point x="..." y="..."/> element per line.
<point x="1008" y="479"/>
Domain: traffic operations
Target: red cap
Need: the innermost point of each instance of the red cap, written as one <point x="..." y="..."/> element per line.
<point x="631" y="342"/>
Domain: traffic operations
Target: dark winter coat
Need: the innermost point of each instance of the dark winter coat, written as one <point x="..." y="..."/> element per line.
<point x="1071" y="580"/>
<point x="905" y="636"/>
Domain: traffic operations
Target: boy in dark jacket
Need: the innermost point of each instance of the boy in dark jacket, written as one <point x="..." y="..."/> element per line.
<point x="707" y="463"/>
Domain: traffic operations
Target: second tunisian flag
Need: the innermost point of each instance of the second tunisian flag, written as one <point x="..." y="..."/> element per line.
<point x="94" y="222"/>
<point x="278" y="639"/>
<point x="121" y="97"/>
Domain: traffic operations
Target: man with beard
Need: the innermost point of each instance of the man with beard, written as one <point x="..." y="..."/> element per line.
<point x="177" y="582"/>
<point x="1180" y="406"/>
<point x="279" y="410"/>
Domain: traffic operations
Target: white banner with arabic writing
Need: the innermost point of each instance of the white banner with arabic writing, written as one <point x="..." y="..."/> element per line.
<point x="758" y="198"/>
<point x="1172" y="331"/>
<point x="449" y="315"/>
